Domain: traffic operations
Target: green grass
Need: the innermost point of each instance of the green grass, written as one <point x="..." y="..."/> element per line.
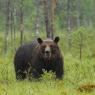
<point x="76" y="73"/>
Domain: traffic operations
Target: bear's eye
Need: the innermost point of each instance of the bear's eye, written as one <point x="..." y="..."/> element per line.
<point x="52" y="46"/>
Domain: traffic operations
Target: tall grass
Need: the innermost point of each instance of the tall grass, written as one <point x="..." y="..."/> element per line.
<point x="76" y="73"/>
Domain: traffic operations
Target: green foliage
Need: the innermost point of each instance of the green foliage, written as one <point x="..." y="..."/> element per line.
<point x="76" y="73"/>
<point x="85" y="38"/>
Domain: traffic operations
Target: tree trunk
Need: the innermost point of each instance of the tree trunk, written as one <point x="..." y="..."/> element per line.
<point x="37" y="17"/>
<point x="49" y="7"/>
<point x="21" y="22"/>
<point x="81" y="46"/>
<point x="69" y="22"/>
<point x="7" y="25"/>
<point x="53" y="7"/>
<point x="14" y="34"/>
<point x="78" y="13"/>
<point x="13" y="24"/>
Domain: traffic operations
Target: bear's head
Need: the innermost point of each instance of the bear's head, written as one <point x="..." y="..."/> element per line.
<point x="49" y="48"/>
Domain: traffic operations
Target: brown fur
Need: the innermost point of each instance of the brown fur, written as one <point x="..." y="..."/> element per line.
<point x="31" y="59"/>
<point x="54" y="63"/>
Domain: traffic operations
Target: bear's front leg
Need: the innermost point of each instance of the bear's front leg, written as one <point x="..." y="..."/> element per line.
<point x="20" y="75"/>
<point x="37" y="73"/>
<point x="59" y="69"/>
<point x="59" y="74"/>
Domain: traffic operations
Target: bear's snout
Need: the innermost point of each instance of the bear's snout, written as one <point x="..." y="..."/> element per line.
<point x="47" y="52"/>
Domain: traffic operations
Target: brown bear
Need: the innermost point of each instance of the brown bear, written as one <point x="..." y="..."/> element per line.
<point x="32" y="58"/>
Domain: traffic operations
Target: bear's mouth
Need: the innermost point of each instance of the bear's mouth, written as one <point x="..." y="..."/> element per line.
<point x="47" y="56"/>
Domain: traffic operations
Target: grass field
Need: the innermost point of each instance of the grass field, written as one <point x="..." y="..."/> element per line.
<point x="79" y="78"/>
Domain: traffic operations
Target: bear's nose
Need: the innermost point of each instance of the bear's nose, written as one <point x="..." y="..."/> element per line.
<point x="47" y="52"/>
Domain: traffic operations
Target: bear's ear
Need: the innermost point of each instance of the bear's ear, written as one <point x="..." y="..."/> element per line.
<point x="56" y="40"/>
<point x="40" y="41"/>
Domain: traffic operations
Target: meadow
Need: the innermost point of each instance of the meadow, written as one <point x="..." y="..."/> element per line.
<point x="79" y="77"/>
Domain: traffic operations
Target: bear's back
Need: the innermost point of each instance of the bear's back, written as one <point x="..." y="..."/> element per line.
<point x="24" y="52"/>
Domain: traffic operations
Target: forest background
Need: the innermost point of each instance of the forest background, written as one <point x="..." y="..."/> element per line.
<point x="73" y="21"/>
